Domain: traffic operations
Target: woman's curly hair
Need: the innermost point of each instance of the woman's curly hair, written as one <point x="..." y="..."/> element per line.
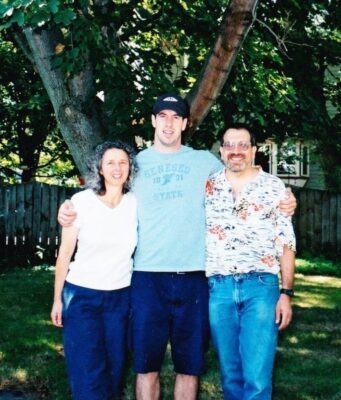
<point x="95" y="180"/>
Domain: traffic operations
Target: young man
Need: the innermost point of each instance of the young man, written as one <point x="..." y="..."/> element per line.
<point x="169" y="288"/>
<point x="248" y="242"/>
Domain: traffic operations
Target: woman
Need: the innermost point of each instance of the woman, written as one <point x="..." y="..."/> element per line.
<point x="91" y="296"/>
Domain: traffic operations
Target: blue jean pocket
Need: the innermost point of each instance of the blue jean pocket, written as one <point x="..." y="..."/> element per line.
<point x="67" y="295"/>
<point x="268" y="279"/>
<point x="211" y="283"/>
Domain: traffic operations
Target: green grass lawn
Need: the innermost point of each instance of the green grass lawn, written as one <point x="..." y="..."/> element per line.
<point x="307" y="367"/>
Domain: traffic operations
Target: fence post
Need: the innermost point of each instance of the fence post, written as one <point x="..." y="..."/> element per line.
<point x="317" y="232"/>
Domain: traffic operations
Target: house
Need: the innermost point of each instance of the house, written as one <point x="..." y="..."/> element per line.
<point x="293" y="161"/>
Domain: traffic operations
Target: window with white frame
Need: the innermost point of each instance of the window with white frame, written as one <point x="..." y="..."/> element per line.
<point x="289" y="159"/>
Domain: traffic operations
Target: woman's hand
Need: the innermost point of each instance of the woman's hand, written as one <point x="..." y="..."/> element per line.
<point x="56" y="313"/>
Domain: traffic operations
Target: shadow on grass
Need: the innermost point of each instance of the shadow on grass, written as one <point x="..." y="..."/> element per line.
<point x="308" y="363"/>
<point x="308" y="359"/>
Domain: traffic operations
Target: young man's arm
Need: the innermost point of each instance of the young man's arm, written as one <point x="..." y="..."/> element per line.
<point x="66" y="214"/>
<point x="289" y="204"/>
<point x="283" y="307"/>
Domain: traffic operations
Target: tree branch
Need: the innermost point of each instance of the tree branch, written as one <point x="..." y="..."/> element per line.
<point x="235" y="26"/>
<point x="331" y="72"/>
<point x="20" y="40"/>
<point x="9" y="171"/>
<point x="282" y="42"/>
<point x="53" y="159"/>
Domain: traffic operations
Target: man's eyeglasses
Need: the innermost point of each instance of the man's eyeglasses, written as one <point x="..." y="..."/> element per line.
<point x="241" y="146"/>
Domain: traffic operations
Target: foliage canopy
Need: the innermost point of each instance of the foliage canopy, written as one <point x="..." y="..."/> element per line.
<point x="283" y="83"/>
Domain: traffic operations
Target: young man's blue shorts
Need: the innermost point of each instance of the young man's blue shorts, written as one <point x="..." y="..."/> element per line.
<point x="169" y="307"/>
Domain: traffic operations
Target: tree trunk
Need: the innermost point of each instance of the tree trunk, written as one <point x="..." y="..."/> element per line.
<point x="237" y="21"/>
<point x="78" y="122"/>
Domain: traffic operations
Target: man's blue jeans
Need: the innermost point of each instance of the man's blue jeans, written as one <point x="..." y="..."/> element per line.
<point x="244" y="332"/>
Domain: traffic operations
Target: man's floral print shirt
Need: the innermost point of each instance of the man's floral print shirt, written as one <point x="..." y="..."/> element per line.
<point x="248" y="233"/>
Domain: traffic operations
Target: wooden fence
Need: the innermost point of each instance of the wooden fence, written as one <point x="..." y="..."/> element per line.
<point x="28" y="224"/>
<point x="28" y="220"/>
<point x="318" y="221"/>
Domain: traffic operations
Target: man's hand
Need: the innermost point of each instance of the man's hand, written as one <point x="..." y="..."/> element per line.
<point x="66" y="214"/>
<point x="283" y="312"/>
<point x="289" y="204"/>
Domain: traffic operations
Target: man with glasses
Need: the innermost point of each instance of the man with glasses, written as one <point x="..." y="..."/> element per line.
<point x="248" y="242"/>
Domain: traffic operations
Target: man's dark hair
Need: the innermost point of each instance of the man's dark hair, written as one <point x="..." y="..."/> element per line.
<point x="239" y="126"/>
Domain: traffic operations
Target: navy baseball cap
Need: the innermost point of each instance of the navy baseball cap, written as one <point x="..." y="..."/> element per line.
<point x="170" y="101"/>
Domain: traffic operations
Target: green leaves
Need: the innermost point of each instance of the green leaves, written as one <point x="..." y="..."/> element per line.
<point x="16" y="18"/>
<point x="36" y="13"/>
<point x="53" y="5"/>
<point x="64" y="17"/>
<point x="39" y="17"/>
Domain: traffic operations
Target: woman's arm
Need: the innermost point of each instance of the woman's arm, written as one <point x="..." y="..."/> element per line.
<point x="67" y="247"/>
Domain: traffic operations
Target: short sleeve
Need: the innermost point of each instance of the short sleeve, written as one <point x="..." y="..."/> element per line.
<point x="77" y="201"/>
<point x="285" y="234"/>
<point x="216" y="165"/>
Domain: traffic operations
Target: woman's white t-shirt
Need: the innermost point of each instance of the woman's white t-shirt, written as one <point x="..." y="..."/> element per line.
<point x="106" y="241"/>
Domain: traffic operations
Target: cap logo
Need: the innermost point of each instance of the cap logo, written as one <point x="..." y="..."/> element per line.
<point x="170" y="98"/>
